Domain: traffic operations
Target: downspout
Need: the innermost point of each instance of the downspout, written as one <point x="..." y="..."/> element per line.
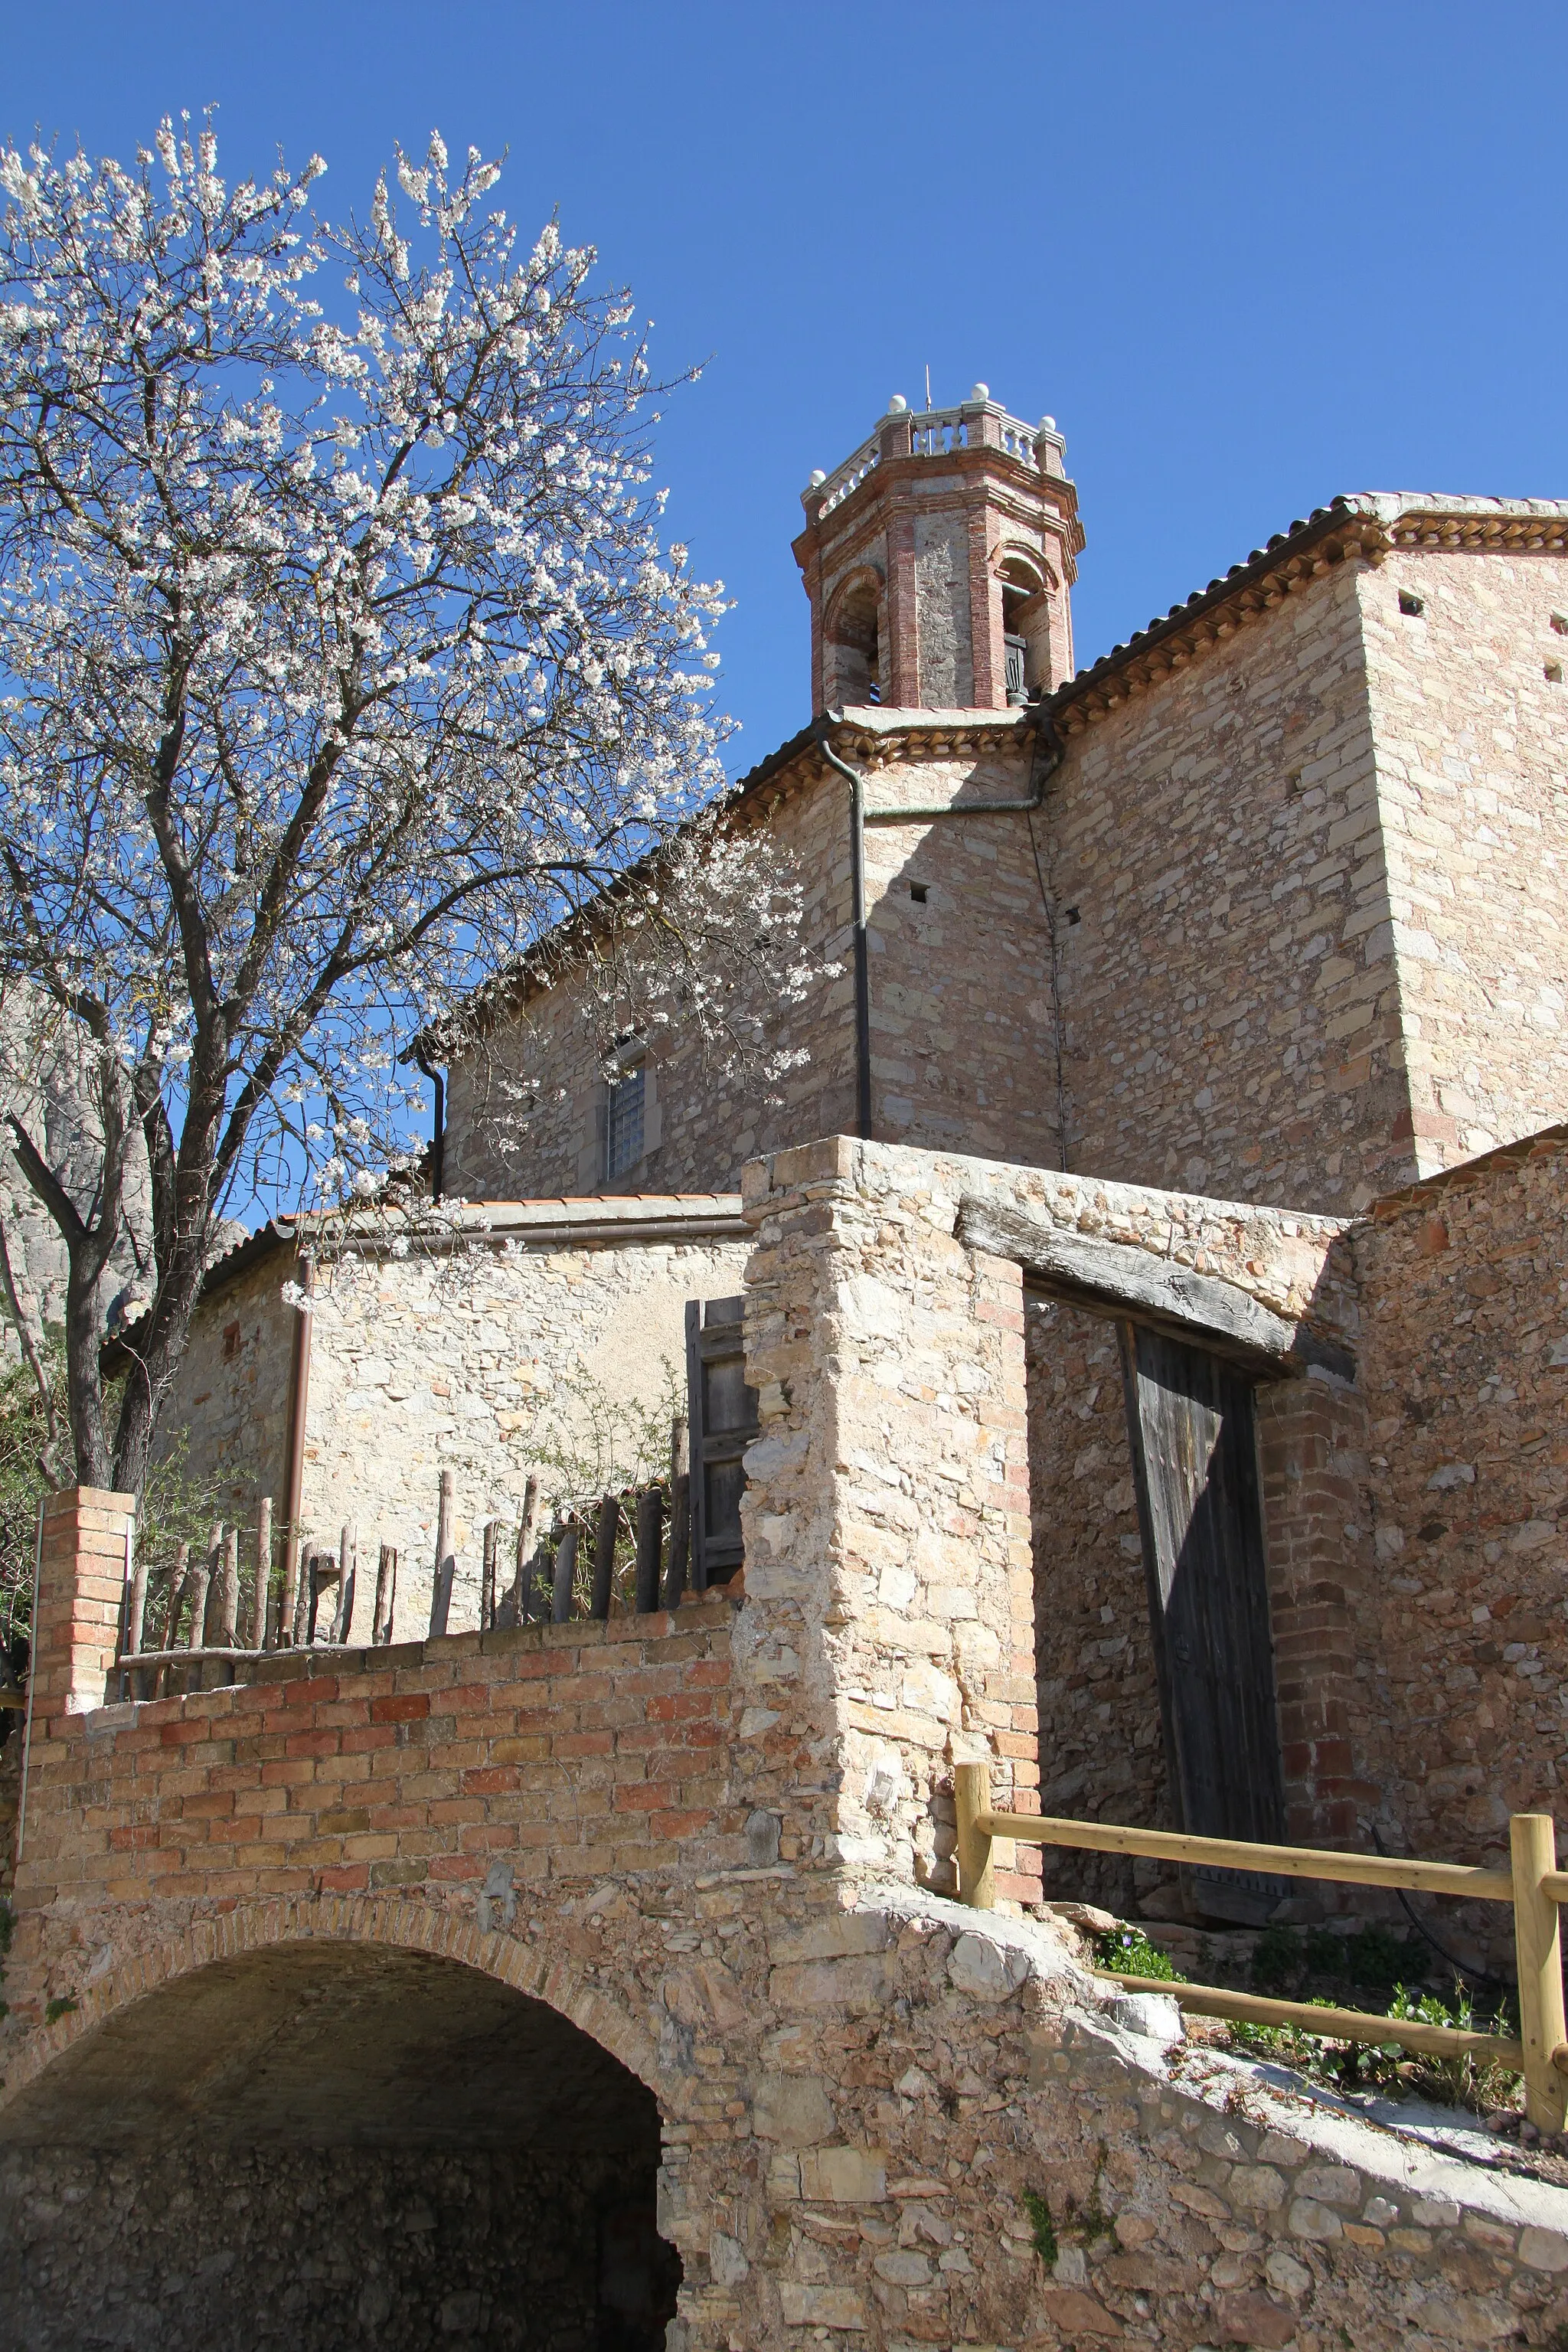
<point x="294" y="1460"/>
<point x="856" y="784"/>
<point x="438" y="1127"/>
<point x="861" y="816"/>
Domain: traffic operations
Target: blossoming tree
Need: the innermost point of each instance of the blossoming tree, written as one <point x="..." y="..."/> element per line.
<point x="341" y="664"/>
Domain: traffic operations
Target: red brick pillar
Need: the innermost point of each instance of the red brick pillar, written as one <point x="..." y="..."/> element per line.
<point x="1313" y="1445"/>
<point x="81" y="1583"/>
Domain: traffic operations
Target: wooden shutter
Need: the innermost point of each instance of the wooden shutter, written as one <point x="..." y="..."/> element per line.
<point x="1191" y="1420"/>
<point x="724" y="1413"/>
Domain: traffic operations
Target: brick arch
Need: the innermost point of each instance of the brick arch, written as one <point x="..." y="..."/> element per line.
<point x="854" y="654"/>
<point x="552" y="1978"/>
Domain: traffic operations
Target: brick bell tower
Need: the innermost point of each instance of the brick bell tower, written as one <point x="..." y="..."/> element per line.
<point x="939" y="561"/>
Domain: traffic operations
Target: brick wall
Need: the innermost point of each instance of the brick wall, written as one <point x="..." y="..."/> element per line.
<point x="858" y="2098"/>
<point x="572" y="1750"/>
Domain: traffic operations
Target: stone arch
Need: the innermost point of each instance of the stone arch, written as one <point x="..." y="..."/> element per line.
<point x="854" y="655"/>
<point x="340" y="2114"/>
<point x="523" y="1965"/>
<point x="1029" y="590"/>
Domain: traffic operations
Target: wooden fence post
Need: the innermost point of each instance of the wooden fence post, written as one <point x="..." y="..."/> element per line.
<point x="137" y="1603"/>
<point x="305" y="1599"/>
<point x="446" y="1560"/>
<point x="605" y="1535"/>
<point x="1538" y="1949"/>
<point x="385" y="1597"/>
<point x="487" y="1576"/>
<point x="229" y="1592"/>
<point x="211" y="1599"/>
<point x="263" y="1572"/>
<point x="524" y="1600"/>
<point x="348" y="1569"/>
<point x="565" y="1571"/>
<point x="972" y="1796"/>
<point x="651" y="1543"/>
<point x="288" y="1606"/>
<point x="178" y="1578"/>
<point x="196" y="1583"/>
<point x="679" y="1510"/>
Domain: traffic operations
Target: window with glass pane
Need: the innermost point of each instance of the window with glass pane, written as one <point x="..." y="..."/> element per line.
<point x="624" y="1130"/>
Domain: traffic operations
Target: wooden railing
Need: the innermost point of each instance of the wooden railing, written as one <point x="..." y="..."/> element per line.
<point x="1533" y="1885"/>
<point x="630" y="1550"/>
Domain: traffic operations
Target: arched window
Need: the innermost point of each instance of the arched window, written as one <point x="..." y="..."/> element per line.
<point x="1025" y="626"/>
<point x="853" y="663"/>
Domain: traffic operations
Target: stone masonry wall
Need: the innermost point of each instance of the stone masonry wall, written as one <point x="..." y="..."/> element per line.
<point x="963" y="1016"/>
<point x="1472" y="782"/>
<point x="524" y="1114"/>
<point x="193" y="2249"/>
<point x="472" y="1359"/>
<point x="1233" y="1022"/>
<point x="227" y="1411"/>
<point x="859" y="2081"/>
<point x="1461" y="1708"/>
<point x="1101" y="1755"/>
<point x="477" y="1363"/>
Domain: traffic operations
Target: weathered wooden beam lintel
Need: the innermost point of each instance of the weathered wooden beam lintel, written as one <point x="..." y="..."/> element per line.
<point x="1118" y="1280"/>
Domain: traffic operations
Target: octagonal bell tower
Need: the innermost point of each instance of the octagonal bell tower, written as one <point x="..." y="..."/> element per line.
<point x="939" y="561"/>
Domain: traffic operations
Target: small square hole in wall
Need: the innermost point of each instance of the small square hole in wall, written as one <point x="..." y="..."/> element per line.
<point x="1559" y="623"/>
<point x="917" y="892"/>
<point x="1411" y="606"/>
<point x="1073" y="915"/>
<point x="1554" y="673"/>
<point x="230" y="1342"/>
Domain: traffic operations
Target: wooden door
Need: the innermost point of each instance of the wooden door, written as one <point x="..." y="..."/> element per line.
<point x="724" y="1416"/>
<point x="1194" y="1454"/>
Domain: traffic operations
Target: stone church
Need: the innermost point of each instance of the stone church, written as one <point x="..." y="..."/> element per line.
<point x="1125" y="1373"/>
<point x="1262" y="907"/>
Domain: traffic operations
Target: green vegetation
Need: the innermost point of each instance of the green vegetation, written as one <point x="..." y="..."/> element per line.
<point x="593" y="1443"/>
<point x="1128" y="1952"/>
<point x="1372" y="1956"/>
<point x="61" y="2006"/>
<point x="1466" y="2081"/>
<point x="1370" y="1961"/>
<point x="1041" y="2227"/>
<point x="175" y="1508"/>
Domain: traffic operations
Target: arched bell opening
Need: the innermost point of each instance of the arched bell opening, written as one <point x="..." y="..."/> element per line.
<point x="1025" y="627"/>
<point x="329" y="2144"/>
<point x="854" y="646"/>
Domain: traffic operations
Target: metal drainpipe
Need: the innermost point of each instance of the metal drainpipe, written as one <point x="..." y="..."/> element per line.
<point x="856" y="784"/>
<point x="299" y="1404"/>
<point x="861" y="816"/>
<point x="438" y="1126"/>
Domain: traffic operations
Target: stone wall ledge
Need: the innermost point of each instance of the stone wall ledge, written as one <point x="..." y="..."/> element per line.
<point x="1237" y="2110"/>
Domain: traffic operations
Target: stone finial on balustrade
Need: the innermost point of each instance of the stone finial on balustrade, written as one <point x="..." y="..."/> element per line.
<point x="82" y="1572"/>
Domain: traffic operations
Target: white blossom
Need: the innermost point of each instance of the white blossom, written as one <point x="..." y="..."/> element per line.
<point x="344" y="665"/>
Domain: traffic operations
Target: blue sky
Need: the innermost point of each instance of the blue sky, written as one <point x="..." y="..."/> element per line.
<point x="1246" y="256"/>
